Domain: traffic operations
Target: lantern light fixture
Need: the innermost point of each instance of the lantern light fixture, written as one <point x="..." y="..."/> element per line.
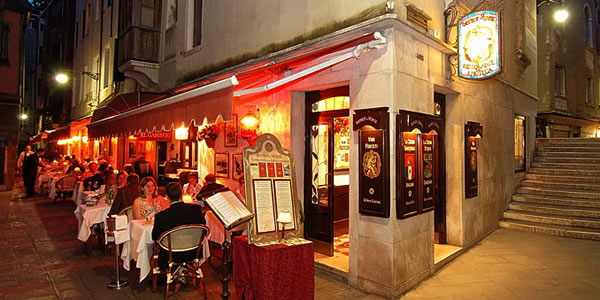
<point x="182" y="133"/>
<point x="249" y="127"/>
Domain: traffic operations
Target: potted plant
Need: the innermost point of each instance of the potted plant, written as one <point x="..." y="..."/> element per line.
<point x="209" y="134"/>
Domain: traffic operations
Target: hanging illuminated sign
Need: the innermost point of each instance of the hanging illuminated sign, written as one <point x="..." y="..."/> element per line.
<point x="479" y="45"/>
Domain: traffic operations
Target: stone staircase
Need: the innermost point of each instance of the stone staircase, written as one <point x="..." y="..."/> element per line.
<point x="560" y="195"/>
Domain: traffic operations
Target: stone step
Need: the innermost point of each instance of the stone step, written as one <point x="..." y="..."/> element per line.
<point x="567" y="140"/>
<point x="552" y="219"/>
<point x="558" y="193"/>
<point x="561" y="179"/>
<point x="571" y="148"/>
<point x="569" y="160"/>
<point x="568" y="154"/>
<point x="539" y="199"/>
<point x="564" y="231"/>
<point x="557" y="210"/>
<point x="576" y="187"/>
<point x="565" y="166"/>
<point x="565" y="172"/>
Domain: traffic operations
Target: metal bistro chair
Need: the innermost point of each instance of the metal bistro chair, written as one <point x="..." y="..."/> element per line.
<point x="180" y="239"/>
<point x="128" y="211"/>
<point x="64" y="187"/>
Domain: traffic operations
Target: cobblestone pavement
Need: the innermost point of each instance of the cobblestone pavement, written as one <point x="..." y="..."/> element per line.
<point x="41" y="258"/>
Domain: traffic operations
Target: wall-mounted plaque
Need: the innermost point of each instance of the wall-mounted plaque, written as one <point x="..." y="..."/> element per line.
<point x="373" y="177"/>
<point x="418" y="160"/>
<point x="473" y="131"/>
<point x="429" y="178"/>
<point x="269" y="173"/>
<point x="409" y="191"/>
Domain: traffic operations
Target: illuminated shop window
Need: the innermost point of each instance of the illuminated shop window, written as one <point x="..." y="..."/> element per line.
<point x="519" y="161"/>
<point x="333" y="103"/>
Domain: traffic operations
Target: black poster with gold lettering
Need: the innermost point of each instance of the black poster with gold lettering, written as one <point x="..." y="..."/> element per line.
<point x="409" y="166"/>
<point x="471" y="167"/>
<point x="374" y="161"/>
<point x="428" y="190"/>
<point x="373" y="177"/>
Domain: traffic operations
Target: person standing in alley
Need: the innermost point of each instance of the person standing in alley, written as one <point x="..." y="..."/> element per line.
<point x="21" y="158"/>
<point x="30" y="168"/>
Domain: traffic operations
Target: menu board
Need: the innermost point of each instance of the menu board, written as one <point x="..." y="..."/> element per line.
<point x="408" y="183"/>
<point x="428" y="190"/>
<point x="270" y="170"/>
<point x="471" y="167"/>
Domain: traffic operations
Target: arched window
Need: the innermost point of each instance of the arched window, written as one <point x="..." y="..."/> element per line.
<point x="587" y="27"/>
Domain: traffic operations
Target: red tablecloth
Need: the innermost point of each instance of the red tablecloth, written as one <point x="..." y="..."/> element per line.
<point x="273" y="272"/>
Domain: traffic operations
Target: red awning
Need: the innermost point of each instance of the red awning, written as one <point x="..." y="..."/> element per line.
<point x="37" y="138"/>
<point x="208" y="101"/>
<point x="124" y="102"/>
<point x="59" y="134"/>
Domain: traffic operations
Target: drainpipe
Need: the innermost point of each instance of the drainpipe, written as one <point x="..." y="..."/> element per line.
<point x="101" y="51"/>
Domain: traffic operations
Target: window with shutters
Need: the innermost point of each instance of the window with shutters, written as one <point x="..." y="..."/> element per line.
<point x="197" y="22"/>
<point x="4" y="42"/>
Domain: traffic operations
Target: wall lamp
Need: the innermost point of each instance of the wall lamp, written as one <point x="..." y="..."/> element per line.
<point x="561" y="14"/>
<point x="63" y="78"/>
<point x="249" y="127"/>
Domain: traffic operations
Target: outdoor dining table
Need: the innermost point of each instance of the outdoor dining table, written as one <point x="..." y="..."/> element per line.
<point x="77" y="193"/>
<point x="52" y="184"/>
<point x="83" y="196"/>
<point x="88" y="216"/>
<point x="139" y="247"/>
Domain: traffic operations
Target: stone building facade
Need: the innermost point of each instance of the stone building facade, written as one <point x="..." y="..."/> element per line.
<point x="395" y="54"/>
<point x="569" y="86"/>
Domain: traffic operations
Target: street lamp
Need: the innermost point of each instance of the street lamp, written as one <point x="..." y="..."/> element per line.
<point x="22" y="116"/>
<point x="561" y="14"/>
<point x="63" y="78"/>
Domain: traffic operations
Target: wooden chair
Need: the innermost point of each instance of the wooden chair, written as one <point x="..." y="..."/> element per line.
<point x="180" y="239"/>
<point x="64" y="187"/>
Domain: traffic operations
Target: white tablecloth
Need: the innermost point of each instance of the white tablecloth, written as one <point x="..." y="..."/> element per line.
<point x="52" y="185"/>
<point x="88" y="216"/>
<point x="77" y="189"/>
<point x="217" y="230"/>
<point x="42" y="177"/>
<point x="139" y="247"/>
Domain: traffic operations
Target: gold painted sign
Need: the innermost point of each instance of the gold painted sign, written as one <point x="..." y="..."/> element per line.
<point x="479" y="45"/>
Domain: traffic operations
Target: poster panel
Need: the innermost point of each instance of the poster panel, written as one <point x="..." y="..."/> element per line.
<point x="471" y="167"/>
<point x="373" y="181"/>
<point x="407" y="201"/>
<point x="429" y="176"/>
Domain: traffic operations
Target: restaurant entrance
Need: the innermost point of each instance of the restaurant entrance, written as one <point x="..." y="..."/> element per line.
<point x="327" y="170"/>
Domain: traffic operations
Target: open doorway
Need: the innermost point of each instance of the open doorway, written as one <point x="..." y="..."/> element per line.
<point x="327" y="176"/>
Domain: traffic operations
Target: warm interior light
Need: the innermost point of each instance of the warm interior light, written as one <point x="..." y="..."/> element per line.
<point x="61" y="78"/>
<point x="181" y="133"/>
<point x="76" y="138"/>
<point x="561" y="15"/>
<point x="250" y="124"/>
<point x="84" y="139"/>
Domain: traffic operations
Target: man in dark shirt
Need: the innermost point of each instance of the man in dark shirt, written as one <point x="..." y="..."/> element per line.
<point x="30" y="168"/>
<point x="177" y="214"/>
<point x="126" y="195"/>
<point x="211" y="185"/>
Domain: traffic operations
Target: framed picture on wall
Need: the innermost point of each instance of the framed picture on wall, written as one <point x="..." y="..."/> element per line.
<point x="237" y="166"/>
<point x="222" y="165"/>
<point x="231" y="131"/>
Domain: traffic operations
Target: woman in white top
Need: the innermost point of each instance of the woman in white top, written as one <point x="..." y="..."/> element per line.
<point x="192" y="188"/>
